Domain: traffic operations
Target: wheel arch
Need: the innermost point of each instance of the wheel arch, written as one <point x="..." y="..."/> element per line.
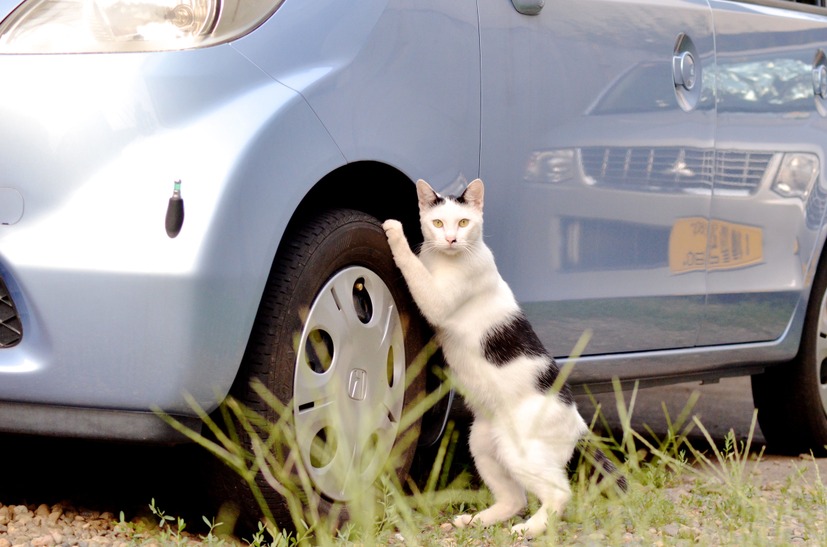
<point x="371" y="187"/>
<point x="383" y="192"/>
<point x="791" y="340"/>
<point x="817" y="263"/>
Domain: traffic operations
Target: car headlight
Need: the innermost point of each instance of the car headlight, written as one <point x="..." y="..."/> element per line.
<point x="795" y="177"/>
<point x="89" y="26"/>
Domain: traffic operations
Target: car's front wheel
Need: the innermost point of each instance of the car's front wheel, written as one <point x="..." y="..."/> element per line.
<point x="792" y="398"/>
<point x="334" y="341"/>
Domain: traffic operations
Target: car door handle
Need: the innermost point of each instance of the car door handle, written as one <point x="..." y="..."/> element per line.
<point x="528" y="7"/>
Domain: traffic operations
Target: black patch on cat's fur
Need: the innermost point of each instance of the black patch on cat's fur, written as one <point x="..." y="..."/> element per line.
<point x="456" y="199"/>
<point x="438" y="200"/>
<point x="515" y="338"/>
<point x="512" y="339"/>
<point x="546" y="381"/>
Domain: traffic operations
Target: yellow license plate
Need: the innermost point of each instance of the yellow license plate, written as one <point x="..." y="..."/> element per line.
<point x="731" y="245"/>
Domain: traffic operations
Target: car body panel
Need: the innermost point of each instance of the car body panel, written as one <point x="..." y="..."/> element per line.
<point x="766" y="108"/>
<point x="583" y="242"/>
<point x="116" y="314"/>
<point x="554" y="111"/>
<point x="391" y="81"/>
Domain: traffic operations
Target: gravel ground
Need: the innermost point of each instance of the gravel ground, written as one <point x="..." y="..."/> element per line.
<point x="107" y="489"/>
<point x="62" y="524"/>
<point x="46" y="526"/>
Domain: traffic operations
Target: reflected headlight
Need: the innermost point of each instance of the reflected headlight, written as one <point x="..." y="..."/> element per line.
<point x="552" y="166"/>
<point x="796" y="175"/>
<point x="89" y="26"/>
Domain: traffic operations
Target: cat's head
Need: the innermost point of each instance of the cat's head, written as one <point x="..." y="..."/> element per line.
<point x="450" y="224"/>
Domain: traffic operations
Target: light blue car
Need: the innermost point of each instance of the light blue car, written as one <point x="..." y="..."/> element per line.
<point x="191" y="194"/>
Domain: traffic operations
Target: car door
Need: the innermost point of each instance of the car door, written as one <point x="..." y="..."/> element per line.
<point x="769" y="194"/>
<point x="599" y="167"/>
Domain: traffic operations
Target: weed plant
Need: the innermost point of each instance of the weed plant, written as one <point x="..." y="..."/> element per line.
<point x="679" y="494"/>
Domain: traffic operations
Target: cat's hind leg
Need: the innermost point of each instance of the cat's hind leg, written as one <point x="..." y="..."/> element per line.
<point x="537" y="456"/>
<point x="509" y="494"/>
<point x="553" y="490"/>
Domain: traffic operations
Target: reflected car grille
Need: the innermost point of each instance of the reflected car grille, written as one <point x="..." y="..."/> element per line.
<point x="11" y="331"/>
<point x="737" y="170"/>
<point x="674" y="170"/>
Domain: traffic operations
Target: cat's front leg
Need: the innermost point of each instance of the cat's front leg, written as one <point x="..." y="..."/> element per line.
<point x="420" y="281"/>
<point x="396" y="239"/>
<point x="404" y="257"/>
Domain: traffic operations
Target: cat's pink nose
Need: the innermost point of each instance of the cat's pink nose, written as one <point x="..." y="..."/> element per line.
<point x="451" y="239"/>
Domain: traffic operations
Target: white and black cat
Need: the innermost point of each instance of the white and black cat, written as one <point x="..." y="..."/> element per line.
<point x="524" y="432"/>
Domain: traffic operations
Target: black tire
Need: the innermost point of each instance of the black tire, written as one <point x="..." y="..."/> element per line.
<point x="332" y="288"/>
<point x="792" y="398"/>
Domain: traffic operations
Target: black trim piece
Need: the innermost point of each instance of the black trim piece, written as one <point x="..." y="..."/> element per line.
<point x="11" y="329"/>
<point x="790" y="5"/>
<point x="92" y="423"/>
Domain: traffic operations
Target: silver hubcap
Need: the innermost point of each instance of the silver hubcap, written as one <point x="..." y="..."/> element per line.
<point x="821" y="352"/>
<point x="350" y="383"/>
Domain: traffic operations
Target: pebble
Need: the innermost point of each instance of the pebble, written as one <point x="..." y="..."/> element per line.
<point x="62" y="525"/>
<point x="671" y="529"/>
<point x="56" y="525"/>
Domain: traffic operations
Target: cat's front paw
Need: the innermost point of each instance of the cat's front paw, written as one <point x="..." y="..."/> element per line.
<point x="394" y="232"/>
<point x="529" y="529"/>
<point x="462" y="521"/>
<point x="391" y="225"/>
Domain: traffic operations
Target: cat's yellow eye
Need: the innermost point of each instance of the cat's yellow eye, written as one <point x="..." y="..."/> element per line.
<point x="438" y="223"/>
<point x="463" y="223"/>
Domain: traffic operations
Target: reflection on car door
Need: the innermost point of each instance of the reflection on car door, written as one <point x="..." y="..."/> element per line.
<point x="599" y="168"/>
<point x="769" y="196"/>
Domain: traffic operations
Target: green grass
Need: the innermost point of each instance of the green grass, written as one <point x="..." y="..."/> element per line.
<point x="679" y="494"/>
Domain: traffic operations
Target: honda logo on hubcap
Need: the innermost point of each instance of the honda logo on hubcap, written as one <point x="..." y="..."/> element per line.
<point x="357" y="384"/>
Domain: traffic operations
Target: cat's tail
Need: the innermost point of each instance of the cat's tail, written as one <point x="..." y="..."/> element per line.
<point x="607" y="470"/>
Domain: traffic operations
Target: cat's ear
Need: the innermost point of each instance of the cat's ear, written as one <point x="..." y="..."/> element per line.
<point x="427" y="196"/>
<point x="473" y="195"/>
